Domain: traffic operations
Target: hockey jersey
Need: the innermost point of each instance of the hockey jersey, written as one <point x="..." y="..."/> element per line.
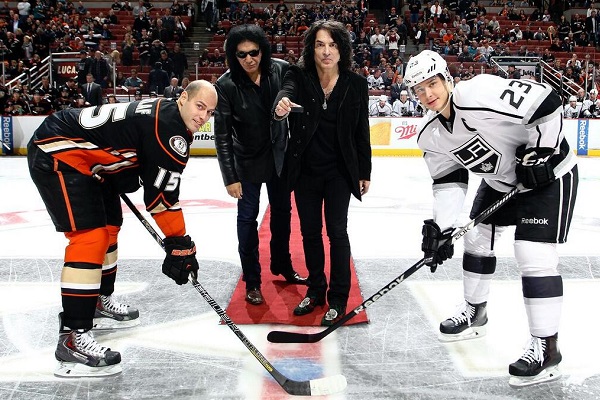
<point x="143" y="141"/>
<point x="490" y="118"/>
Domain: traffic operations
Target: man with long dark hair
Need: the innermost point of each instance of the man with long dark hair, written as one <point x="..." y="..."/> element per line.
<point x="329" y="157"/>
<point x="250" y="153"/>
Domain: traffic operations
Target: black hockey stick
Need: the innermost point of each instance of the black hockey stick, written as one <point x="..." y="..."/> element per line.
<point x="313" y="387"/>
<point x="296" y="337"/>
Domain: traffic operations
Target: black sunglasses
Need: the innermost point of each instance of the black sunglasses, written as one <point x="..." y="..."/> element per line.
<point x="243" y="54"/>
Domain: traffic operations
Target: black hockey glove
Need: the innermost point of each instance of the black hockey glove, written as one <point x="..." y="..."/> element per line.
<point x="533" y="166"/>
<point x="181" y="259"/>
<point x="436" y="245"/>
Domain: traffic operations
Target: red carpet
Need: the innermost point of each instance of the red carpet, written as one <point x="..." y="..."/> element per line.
<point x="281" y="298"/>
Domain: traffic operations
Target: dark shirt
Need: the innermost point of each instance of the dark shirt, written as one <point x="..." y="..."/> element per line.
<point x="320" y="157"/>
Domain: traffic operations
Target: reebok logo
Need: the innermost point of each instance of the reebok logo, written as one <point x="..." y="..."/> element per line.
<point x="534" y="221"/>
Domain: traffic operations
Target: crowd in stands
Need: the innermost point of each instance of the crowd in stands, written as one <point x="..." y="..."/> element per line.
<point x="143" y="37"/>
<point x="463" y="31"/>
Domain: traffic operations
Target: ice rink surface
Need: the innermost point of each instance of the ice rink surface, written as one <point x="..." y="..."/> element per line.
<point x="180" y="351"/>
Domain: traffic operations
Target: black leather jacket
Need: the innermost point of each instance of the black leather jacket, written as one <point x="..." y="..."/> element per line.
<point x="247" y="148"/>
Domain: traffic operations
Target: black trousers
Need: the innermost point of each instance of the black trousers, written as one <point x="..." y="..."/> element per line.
<point x="330" y="196"/>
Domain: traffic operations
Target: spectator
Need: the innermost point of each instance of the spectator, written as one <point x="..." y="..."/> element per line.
<point x="277" y="47"/>
<point x="159" y="32"/>
<point x="397" y="87"/>
<point x="134" y="81"/>
<point x="436" y="10"/>
<point x="158" y="79"/>
<point x="155" y="50"/>
<point x="216" y="59"/>
<point x="84" y="66"/>
<point x="139" y="8"/>
<point x="100" y="69"/>
<point x="24" y="8"/>
<point x="64" y="100"/>
<point x="208" y="8"/>
<point x="144" y="48"/>
<point x="392" y="39"/>
<point x="167" y="63"/>
<point x="377" y="42"/>
<point x="127" y="49"/>
<point x="141" y="22"/>
<point x="81" y="10"/>
<point x="39" y="105"/>
<point x="180" y="30"/>
<point x="513" y="72"/>
<point x="79" y="102"/>
<point x="92" y="91"/>
<point x="375" y="81"/>
<point x="173" y="90"/>
<point x="591" y="27"/>
<point x="111" y="99"/>
<point x="180" y="62"/>
<point x="574" y="63"/>
<point x="50" y="92"/>
<point x="168" y="22"/>
<point x="16" y="105"/>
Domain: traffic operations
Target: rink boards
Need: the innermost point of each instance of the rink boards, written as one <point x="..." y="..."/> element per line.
<point x="389" y="136"/>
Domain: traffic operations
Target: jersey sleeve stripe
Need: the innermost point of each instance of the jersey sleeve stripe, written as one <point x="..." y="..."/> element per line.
<point x="490" y="110"/>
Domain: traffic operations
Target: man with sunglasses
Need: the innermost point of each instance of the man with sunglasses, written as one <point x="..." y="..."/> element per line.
<point x="251" y="153"/>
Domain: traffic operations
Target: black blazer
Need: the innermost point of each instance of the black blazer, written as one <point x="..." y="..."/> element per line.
<point x="170" y="91"/>
<point x="248" y="146"/>
<point x="94" y="97"/>
<point x="353" y="134"/>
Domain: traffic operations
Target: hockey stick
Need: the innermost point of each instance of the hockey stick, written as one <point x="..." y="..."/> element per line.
<point x="313" y="387"/>
<point x="295" y="337"/>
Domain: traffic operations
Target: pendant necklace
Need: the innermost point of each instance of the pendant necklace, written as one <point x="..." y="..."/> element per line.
<point x="326" y="94"/>
<point x="325" y="98"/>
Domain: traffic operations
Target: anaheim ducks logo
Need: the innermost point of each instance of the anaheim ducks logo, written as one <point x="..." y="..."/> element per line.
<point x="179" y="144"/>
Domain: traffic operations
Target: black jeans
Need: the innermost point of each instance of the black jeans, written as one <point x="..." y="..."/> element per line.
<point x="311" y="193"/>
<point x="247" y="230"/>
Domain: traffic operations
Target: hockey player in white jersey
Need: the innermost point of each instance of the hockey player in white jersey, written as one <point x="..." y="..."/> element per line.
<point x="507" y="132"/>
<point x="403" y="107"/>
<point x="573" y="109"/>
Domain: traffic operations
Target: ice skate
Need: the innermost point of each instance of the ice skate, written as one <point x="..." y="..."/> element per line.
<point x="79" y="355"/>
<point x="468" y="323"/>
<point x="110" y="314"/>
<point x="538" y="364"/>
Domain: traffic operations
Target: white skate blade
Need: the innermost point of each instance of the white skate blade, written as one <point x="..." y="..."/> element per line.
<point x="103" y="324"/>
<point x="473" y="332"/>
<point x="78" y="370"/>
<point x="547" y="375"/>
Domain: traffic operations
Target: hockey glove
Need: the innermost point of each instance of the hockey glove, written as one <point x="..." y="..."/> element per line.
<point x="437" y="245"/>
<point x="181" y="259"/>
<point x="533" y="167"/>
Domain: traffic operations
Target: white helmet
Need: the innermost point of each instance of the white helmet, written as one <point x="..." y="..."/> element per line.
<point x="425" y="65"/>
